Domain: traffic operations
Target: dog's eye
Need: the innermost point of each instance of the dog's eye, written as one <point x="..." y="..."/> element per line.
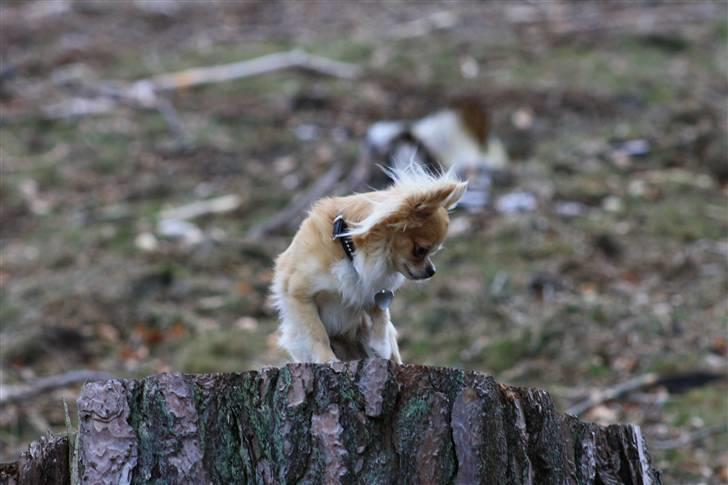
<point x="419" y="252"/>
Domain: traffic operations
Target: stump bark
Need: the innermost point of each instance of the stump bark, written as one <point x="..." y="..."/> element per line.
<point x="357" y="422"/>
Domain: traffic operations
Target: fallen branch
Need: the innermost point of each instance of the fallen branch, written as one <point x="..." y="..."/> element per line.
<point x="603" y="395"/>
<point x="107" y="98"/>
<point x="291" y="214"/>
<point x="225" y="203"/>
<point x="169" y="114"/>
<point x="688" y="438"/>
<point x="672" y="383"/>
<point x="145" y="93"/>
<point x="360" y="174"/>
<point x="79" y="107"/>
<point x="17" y="393"/>
<point x="295" y="58"/>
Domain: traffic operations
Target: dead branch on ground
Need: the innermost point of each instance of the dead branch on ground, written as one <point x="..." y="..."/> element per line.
<point x="217" y="205"/>
<point x="147" y="93"/>
<point x="603" y="395"/>
<point x="689" y="438"/>
<point x="291" y="214"/>
<point x="17" y="393"/>
<point x="295" y="58"/>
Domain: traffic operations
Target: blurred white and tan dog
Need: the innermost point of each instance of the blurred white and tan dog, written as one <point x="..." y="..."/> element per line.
<point x="333" y="285"/>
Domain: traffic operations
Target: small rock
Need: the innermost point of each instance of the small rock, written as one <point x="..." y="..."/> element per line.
<point x="522" y="118"/>
<point x="146" y="241"/>
<point x="516" y="202"/>
<point x="469" y="67"/>
<point x="306" y="132"/>
<point x="613" y="204"/>
<point x="249" y="324"/>
<point x="570" y="209"/>
<point x="633" y="148"/>
<point x="697" y="422"/>
<point x="185" y="231"/>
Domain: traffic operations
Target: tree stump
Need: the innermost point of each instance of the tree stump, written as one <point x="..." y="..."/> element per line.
<point x="366" y="422"/>
<point x="45" y="463"/>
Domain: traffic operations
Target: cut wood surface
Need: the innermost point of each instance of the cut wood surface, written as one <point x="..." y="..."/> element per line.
<point x="358" y="422"/>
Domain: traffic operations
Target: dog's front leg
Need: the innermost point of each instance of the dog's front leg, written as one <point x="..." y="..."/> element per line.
<point x="381" y="339"/>
<point x="303" y="333"/>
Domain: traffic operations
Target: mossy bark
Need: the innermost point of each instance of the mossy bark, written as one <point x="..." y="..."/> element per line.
<point x="358" y="422"/>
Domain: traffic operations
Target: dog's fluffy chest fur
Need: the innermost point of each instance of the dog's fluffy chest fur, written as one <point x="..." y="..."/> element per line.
<point x="347" y="291"/>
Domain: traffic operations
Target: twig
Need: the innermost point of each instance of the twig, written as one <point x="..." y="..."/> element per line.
<point x="225" y="203"/>
<point x="79" y="107"/>
<point x="290" y="215"/>
<point x="295" y="58"/>
<point x="602" y="395"/>
<point x="145" y="93"/>
<point x="360" y="173"/>
<point x="107" y="97"/>
<point x="14" y="394"/>
<point x="174" y="123"/>
<point x="686" y="439"/>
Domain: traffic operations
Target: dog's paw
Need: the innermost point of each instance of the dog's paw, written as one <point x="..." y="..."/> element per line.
<point x="324" y="356"/>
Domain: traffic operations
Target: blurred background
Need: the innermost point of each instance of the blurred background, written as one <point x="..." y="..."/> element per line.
<point x="141" y="209"/>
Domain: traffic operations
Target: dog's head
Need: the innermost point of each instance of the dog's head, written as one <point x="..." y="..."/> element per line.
<point x="410" y="222"/>
<point x="419" y="228"/>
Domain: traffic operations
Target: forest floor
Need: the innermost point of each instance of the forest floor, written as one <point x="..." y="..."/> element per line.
<point x="614" y="119"/>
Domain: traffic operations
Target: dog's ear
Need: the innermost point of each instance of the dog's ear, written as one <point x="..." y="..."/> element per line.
<point x="417" y="207"/>
<point x="455" y="195"/>
<point x="446" y="196"/>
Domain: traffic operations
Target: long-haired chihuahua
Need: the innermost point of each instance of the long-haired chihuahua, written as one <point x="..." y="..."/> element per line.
<point x="333" y="285"/>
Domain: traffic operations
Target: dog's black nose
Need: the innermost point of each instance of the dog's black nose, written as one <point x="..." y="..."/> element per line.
<point x="430" y="271"/>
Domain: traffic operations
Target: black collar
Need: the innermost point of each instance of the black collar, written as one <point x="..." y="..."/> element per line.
<point x="340" y="228"/>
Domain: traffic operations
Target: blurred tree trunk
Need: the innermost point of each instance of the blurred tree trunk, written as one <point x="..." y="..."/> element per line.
<point x="357" y="422"/>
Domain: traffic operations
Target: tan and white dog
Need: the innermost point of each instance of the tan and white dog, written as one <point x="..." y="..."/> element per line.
<point x="333" y="285"/>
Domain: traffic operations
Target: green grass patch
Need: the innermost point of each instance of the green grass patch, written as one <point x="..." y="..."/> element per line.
<point x="707" y="403"/>
<point x="228" y="350"/>
<point x="683" y="219"/>
<point x="341" y="49"/>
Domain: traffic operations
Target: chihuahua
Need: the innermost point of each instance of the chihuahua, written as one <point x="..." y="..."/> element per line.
<point x="333" y="285"/>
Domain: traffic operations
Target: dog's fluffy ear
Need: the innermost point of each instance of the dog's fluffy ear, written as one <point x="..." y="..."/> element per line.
<point x="417" y="207"/>
<point x="446" y="196"/>
<point x="455" y="195"/>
